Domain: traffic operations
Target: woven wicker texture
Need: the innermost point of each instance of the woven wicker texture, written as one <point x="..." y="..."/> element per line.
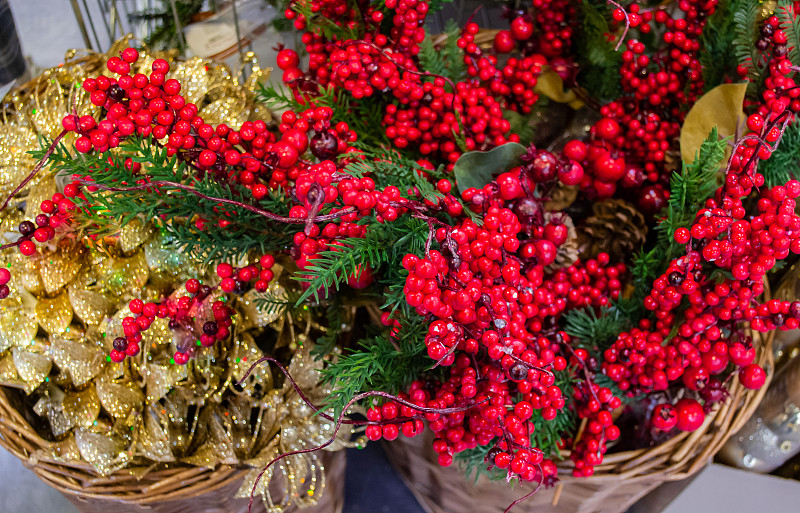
<point x="620" y="481"/>
<point x="176" y="489"/>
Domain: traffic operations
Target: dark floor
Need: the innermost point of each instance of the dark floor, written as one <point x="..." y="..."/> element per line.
<point x="372" y="485"/>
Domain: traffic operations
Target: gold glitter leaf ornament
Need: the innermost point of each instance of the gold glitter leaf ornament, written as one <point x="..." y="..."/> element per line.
<point x="90" y="307"/>
<point x="59" y="268"/>
<point x="17" y="326"/>
<point x="160" y="379"/>
<point x="133" y="235"/>
<point x="119" y="399"/>
<point x="153" y="440"/>
<point x="82" y="360"/>
<point x="31" y="367"/>
<point x="81" y="408"/>
<point x="124" y="276"/>
<point x="54" y="314"/>
<point x="106" y="453"/>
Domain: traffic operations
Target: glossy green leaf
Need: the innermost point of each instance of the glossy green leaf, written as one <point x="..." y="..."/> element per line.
<point x="477" y="168"/>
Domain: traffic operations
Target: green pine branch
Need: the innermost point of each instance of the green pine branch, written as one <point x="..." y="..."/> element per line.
<point x="718" y="56"/>
<point x="447" y="60"/>
<point x="382" y="363"/>
<point x="744" y="43"/>
<point x="173" y="210"/>
<point x="784" y="164"/>
<point x="598" y="62"/>
<point x="788" y="18"/>
<point x="688" y="191"/>
<point x="596" y="329"/>
<point x="384" y="243"/>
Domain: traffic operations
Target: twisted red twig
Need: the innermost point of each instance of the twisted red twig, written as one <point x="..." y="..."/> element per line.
<point x="511" y="506"/>
<point x="251" y="208"/>
<point x="36" y="169"/>
<point x="305" y="399"/>
<point x="627" y="23"/>
<point x="340" y="421"/>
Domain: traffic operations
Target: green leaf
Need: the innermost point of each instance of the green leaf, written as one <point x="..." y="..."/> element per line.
<point x="477" y="168"/>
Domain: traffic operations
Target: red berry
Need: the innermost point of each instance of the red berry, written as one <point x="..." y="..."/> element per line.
<point x="690" y="415"/>
<point x="504" y="42"/>
<point x="521" y="29"/>
<point x="287" y="59"/>
<point x="752" y="376"/>
<point x="664" y="417"/>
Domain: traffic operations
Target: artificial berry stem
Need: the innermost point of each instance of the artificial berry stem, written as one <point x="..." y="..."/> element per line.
<point x="193" y="191"/>
<point x="38" y="167"/>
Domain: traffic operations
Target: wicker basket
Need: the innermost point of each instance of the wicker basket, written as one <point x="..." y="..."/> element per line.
<point x="621" y="480"/>
<point x="175" y="489"/>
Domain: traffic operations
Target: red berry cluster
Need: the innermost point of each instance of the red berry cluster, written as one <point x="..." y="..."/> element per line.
<point x="595" y="404"/>
<point x="199" y="319"/>
<point x="723" y="235"/>
<point x="630" y="144"/>
<point x="237" y="280"/>
<point x="252" y="156"/>
<point x="200" y="316"/>
<point x="56" y="216"/>
<point x="491" y="301"/>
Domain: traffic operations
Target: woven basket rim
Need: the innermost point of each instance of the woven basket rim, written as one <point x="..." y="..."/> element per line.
<point x="140" y="484"/>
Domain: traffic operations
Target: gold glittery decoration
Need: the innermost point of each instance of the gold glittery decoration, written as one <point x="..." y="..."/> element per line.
<point x="153" y="440"/>
<point x="59" y="268"/>
<point x="43" y="191"/>
<point x="50" y="407"/>
<point x="260" y="378"/>
<point x="160" y="379"/>
<point x="81" y="408"/>
<point x="133" y="235"/>
<point x="32" y="367"/>
<point x="146" y="410"/>
<point x="90" y="307"/>
<point x="106" y="453"/>
<point x="54" y="314"/>
<point x="124" y="275"/>
<point x="252" y="315"/>
<point x="8" y="372"/>
<point x="119" y="399"/>
<point x="66" y="450"/>
<point x="81" y="360"/>
<point x="17" y="325"/>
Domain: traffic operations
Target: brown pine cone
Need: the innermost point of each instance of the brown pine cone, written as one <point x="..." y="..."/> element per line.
<point x="616" y="227"/>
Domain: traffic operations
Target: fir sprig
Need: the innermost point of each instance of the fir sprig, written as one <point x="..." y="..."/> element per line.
<point x="787" y="16"/>
<point x="598" y="61"/>
<point x="744" y="42"/>
<point x="688" y="191"/>
<point x="383" y="243"/>
<point x="596" y="329"/>
<point x="379" y="363"/>
<point x="446" y="60"/>
<point x="176" y="210"/>
<point x="719" y="58"/>
<point x="784" y="164"/>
